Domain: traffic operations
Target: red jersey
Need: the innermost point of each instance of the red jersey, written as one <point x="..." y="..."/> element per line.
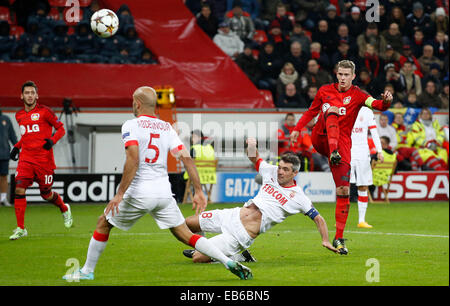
<point x="348" y="103"/>
<point x="35" y="126"/>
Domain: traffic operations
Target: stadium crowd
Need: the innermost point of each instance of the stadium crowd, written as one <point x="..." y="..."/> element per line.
<point x="291" y="47"/>
<point x="299" y="42"/>
<point x="42" y="31"/>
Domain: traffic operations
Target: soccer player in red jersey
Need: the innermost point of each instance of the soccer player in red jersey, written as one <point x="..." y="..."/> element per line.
<point x="36" y="161"/>
<point x="339" y="104"/>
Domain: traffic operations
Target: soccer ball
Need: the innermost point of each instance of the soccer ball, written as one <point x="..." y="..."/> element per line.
<point x="104" y="23"/>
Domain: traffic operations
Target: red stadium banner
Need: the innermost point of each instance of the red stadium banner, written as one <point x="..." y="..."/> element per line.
<point x="417" y="186"/>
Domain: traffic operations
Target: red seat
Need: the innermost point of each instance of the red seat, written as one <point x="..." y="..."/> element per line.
<point x="84" y="3"/>
<point x="57" y="3"/>
<point x="4" y="13"/>
<point x="16" y="30"/>
<point x="54" y="14"/>
<point x="70" y="31"/>
<point x="260" y="37"/>
<point x="255" y="53"/>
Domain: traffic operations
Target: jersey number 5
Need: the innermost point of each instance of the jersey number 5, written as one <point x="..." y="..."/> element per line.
<point x="153" y="147"/>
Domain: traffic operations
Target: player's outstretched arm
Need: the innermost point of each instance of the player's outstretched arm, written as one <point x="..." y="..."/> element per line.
<point x="381" y="105"/>
<point x="252" y="150"/>
<point x="199" y="201"/>
<point x="323" y="230"/>
<point x="129" y="171"/>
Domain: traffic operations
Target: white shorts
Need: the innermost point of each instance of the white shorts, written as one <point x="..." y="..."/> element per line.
<point x="233" y="237"/>
<point x="165" y="211"/>
<point x="361" y="172"/>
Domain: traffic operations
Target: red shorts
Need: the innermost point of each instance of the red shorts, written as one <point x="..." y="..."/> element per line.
<point x="27" y="173"/>
<point x="341" y="172"/>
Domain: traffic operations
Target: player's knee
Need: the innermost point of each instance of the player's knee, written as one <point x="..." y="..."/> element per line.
<point x="103" y="224"/>
<point x="193" y="224"/>
<point x="363" y="188"/>
<point x="342" y="191"/>
<point x="20" y="191"/>
<point x="47" y="194"/>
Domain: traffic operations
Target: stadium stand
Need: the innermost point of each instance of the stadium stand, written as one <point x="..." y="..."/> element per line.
<point x="411" y="33"/>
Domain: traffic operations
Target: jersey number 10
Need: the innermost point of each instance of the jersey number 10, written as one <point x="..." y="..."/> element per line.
<point x="153" y="147"/>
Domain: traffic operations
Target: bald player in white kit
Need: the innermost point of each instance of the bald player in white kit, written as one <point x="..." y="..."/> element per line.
<point x="361" y="169"/>
<point x="145" y="188"/>
<point x="278" y="198"/>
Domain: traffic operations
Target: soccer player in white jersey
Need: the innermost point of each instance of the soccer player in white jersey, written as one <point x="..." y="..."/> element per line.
<point x="278" y="198"/>
<point x="145" y="188"/>
<point x="361" y="169"/>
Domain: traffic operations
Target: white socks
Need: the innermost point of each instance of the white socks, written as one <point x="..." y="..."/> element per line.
<point x="2" y="197"/>
<point x="205" y="246"/>
<point x="363" y="199"/>
<point x="95" y="249"/>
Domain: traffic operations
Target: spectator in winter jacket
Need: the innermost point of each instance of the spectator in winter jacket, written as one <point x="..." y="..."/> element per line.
<point x="314" y="76"/>
<point x="393" y="37"/>
<point x="240" y="23"/>
<point x="279" y="40"/>
<point x="430" y="96"/>
<point x="288" y="75"/>
<point x="418" y="19"/>
<point x="297" y="57"/>
<point x="370" y="36"/>
<point x="248" y="64"/>
<point x="269" y="64"/>
<point x="228" y="41"/>
<point x="207" y="21"/>
<point x="285" y="18"/>
<point x="412" y="80"/>
<point x="290" y="98"/>
<point x="428" y="58"/>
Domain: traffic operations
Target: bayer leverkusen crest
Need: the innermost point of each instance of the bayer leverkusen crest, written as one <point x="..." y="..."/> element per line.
<point x="35" y="117"/>
<point x="347" y="100"/>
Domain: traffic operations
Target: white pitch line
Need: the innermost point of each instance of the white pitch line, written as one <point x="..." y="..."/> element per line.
<point x="398" y="234"/>
<point x="272" y="232"/>
<point x="374" y="233"/>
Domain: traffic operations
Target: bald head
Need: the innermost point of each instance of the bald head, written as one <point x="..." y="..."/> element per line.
<point x="146" y="95"/>
<point x="144" y="101"/>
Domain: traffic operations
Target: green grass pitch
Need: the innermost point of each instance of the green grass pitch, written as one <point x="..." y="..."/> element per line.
<point x="409" y="245"/>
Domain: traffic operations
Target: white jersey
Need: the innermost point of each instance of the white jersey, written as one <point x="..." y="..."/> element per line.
<point x="155" y="139"/>
<point x="276" y="202"/>
<point x="363" y="123"/>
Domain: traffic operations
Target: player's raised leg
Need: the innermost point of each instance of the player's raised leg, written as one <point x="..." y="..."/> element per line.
<point x="332" y="126"/>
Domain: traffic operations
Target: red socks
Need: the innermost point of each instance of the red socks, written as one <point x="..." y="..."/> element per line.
<point x="58" y="202"/>
<point x="20" y="204"/>
<point x="341" y="214"/>
<point x="332" y="125"/>
<point x="193" y="240"/>
<point x="100" y="237"/>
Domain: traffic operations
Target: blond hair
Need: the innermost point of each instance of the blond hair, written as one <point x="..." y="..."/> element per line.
<point x="346" y="64"/>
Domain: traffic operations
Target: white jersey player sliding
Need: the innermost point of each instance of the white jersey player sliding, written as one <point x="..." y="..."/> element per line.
<point x="361" y="170"/>
<point x="278" y="198"/>
<point x="145" y="188"/>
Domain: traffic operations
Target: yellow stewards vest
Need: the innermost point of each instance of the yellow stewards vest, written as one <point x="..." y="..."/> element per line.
<point x="207" y="174"/>
<point x="381" y="175"/>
